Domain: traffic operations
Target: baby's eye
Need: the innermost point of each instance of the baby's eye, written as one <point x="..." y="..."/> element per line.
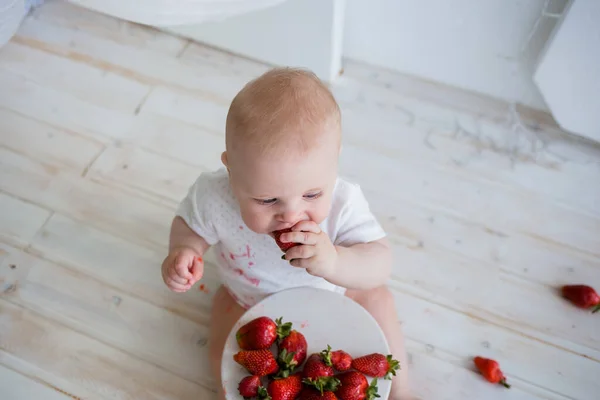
<point x="266" y="201"/>
<point x="312" y="196"/>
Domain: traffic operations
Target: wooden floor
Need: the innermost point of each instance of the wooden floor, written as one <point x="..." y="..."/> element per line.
<point x="104" y="124"/>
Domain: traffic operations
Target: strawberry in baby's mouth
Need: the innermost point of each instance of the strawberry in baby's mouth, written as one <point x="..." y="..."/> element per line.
<point x="283" y="246"/>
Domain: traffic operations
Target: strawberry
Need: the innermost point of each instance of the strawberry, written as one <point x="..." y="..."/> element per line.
<point x="283" y="246"/>
<point x="257" y="362"/>
<point x="286" y="388"/>
<point x="377" y="365"/>
<point x="250" y="387"/>
<point x="315" y="367"/>
<point x="354" y="386"/>
<point x="340" y="360"/>
<point x="292" y="350"/>
<point x="582" y="296"/>
<point x="313" y="394"/>
<point x="261" y="333"/>
<point x="490" y="370"/>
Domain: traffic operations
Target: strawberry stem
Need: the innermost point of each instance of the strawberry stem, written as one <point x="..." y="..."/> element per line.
<point x="503" y="383"/>
<point x="372" y="390"/>
<point x="393" y="365"/>
<point x="323" y="383"/>
<point x="326" y="356"/>
<point x="263" y="394"/>
<point x="283" y="330"/>
<point x="596" y="308"/>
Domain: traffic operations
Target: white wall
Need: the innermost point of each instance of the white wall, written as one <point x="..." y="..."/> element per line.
<point x="471" y="44"/>
<point x="568" y="73"/>
<point x="300" y="33"/>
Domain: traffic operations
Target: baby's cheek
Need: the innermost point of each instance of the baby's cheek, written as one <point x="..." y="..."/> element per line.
<point x="256" y="221"/>
<point x="319" y="212"/>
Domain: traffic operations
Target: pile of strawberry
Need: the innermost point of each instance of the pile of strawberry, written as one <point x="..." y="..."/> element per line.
<point x="290" y="374"/>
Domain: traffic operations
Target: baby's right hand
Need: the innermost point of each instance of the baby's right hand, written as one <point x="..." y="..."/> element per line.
<point x="182" y="268"/>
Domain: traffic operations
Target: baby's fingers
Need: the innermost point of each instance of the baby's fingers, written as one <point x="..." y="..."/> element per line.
<point x="173" y="276"/>
<point x="197" y="269"/>
<point x="177" y="287"/>
<point x="182" y="267"/>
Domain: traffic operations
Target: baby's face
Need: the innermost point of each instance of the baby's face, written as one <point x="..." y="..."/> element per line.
<point x="276" y="193"/>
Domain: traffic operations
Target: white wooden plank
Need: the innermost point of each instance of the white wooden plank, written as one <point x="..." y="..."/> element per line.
<point x="18" y="387"/>
<point x="187" y="108"/>
<point x="432" y="378"/>
<point x="61" y="110"/>
<point x="52" y="146"/>
<point x="153" y="334"/>
<point x="135" y="169"/>
<point x="83" y="199"/>
<point x="179" y="140"/>
<point x="201" y="54"/>
<point x="437" y="94"/>
<point x="123" y="265"/>
<point x="143" y="65"/>
<point x="19" y="221"/>
<point x="85" y="82"/>
<point x="86" y="363"/>
<point x="530" y="361"/>
<point x="415" y="226"/>
<point x="47" y="377"/>
<point x="492" y="206"/>
<point x="545" y="162"/>
<point x="66" y="14"/>
<point x="497" y="297"/>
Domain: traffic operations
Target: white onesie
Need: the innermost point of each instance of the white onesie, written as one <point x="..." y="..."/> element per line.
<point x="250" y="264"/>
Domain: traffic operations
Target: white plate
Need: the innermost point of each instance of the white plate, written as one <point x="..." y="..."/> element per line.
<point x="323" y="317"/>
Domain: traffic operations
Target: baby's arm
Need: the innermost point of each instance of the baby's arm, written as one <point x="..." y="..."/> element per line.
<point x="183" y="236"/>
<point x="363" y="265"/>
<point x="184" y="265"/>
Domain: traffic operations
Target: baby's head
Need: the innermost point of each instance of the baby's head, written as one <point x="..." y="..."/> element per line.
<point x="283" y="138"/>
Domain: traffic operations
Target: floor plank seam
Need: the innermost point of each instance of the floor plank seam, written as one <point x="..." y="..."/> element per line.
<point x="87" y="168"/>
<point x="141" y="104"/>
<point x="117" y="69"/>
<point x="455" y="359"/>
<point x="39" y="380"/>
<point x="98" y="340"/>
<point x="70" y="266"/>
<point x="496" y="324"/>
<point x="181" y="52"/>
<point x="93" y="138"/>
<point x="165" y="202"/>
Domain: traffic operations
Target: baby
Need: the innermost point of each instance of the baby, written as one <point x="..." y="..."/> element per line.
<point x="283" y="135"/>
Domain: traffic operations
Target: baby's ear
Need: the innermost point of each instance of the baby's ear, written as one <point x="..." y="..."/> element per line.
<point x="224" y="159"/>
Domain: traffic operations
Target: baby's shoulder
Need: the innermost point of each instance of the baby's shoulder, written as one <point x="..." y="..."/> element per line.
<point x="346" y="193"/>
<point x="212" y="186"/>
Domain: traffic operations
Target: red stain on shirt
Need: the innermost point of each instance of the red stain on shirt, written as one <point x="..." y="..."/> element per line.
<point x="246" y="254"/>
<point x="303" y="324"/>
<point x="203" y="288"/>
<point x="241" y="227"/>
<point x="254" y="281"/>
<point x="239" y="271"/>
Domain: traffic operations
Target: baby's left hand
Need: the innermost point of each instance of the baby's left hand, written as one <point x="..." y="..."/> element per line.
<point x="316" y="253"/>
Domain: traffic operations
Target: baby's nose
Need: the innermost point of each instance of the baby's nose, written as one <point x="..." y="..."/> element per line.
<point x="289" y="216"/>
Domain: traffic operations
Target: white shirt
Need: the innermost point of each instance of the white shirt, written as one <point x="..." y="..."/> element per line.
<point x="250" y="264"/>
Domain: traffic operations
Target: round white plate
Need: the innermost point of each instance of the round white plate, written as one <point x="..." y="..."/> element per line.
<point x="323" y="317"/>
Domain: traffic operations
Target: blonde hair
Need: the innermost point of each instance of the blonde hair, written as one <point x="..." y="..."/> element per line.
<point x="284" y="106"/>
